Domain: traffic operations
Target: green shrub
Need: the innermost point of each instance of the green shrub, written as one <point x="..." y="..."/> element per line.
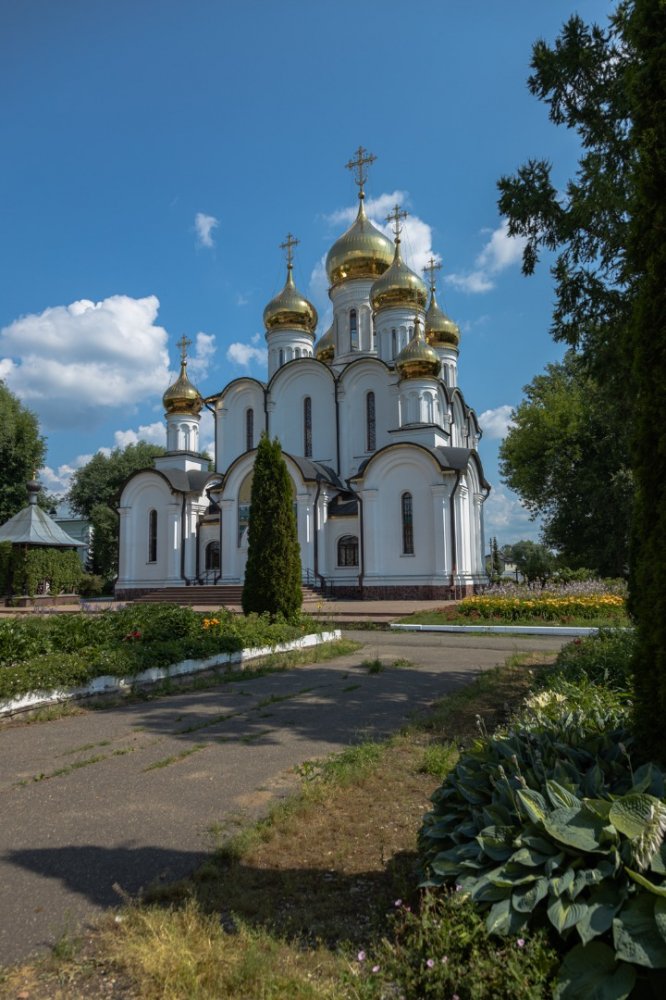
<point x="45" y="673"/>
<point x="31" y="568"/>
<point x="444" y="950"/>
<point x="546" y="824"/>
<point x="605" y="658"/>
<point x="91" y="585"/>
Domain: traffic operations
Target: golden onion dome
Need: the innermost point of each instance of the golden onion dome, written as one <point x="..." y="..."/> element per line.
<point x="362" y="252"/>
<point x="325" y="347"/>
<point x="290" y="310"/>
<point x="440" y="331"/>
<point x="398" y="287"/>
<point x="182" y="396"/>
<point x="417" y="359"/>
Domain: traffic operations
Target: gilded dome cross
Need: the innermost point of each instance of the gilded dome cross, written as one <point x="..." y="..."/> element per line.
<point x="363" y="159"/>
<point x="183" y="344"/>
<point x="395" y="217"/>
<point x="430" y="269"/>
<point x="288" y="246"/>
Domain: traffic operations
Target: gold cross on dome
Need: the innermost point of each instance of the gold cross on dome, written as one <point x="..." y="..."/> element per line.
<point x="289" y="245"/>
<point x="430" y="269"/>
<point x="395" y="217"/>
<point x="362" y="159"/>
<point x="183" y="344"/>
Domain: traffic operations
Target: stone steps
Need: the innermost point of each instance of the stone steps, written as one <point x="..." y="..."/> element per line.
<point x="211" y="595"/>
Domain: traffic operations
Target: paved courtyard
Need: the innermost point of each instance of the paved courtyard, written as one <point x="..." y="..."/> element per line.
<point x="128" y="795"/>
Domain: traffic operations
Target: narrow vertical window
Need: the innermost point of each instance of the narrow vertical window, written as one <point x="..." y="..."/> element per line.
<point x="281" y="357"/>
<point x="407" y="525"/>
<point x="307" y="427"/>
<point x="370" y="424"/>
<point x="393" y="343"/>
<point x="152" y="536"/>
<point x="353" y="330"/>
<point x="249" y="429"/>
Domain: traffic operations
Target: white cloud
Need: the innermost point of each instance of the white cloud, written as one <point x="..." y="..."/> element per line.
<point x="495" y="423"/>
<point x="204" y="226"/>
<point x="476" y="282"/>
<point x="203" y="352"/>
<point x="77" y="362"/>
<point x="501" y="251"/>
<point x="58" y="480"/>
<point x="318" y="294"/>
<point x="376" y="209"/>
<point x="246" y="354"/>
<point x="207" y="433"/>
<point x="505" y="516"/>
<point x="154" y="433"/>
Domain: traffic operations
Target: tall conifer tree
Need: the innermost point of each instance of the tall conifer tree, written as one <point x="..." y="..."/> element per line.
<point x="646" y="34"/>
<point x="273" y="570"/>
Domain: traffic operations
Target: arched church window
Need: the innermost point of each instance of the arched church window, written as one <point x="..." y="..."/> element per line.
<point x="152" y="536"/>
<point x="281" y="357"/>
<point x="213" y="556"/>
<point x="307" y="427"/>
<point x="370" y="423"/>
<point x="353" y="330"/>
<point x="407" y="525"/>
<point x="249" y="429"/>
<point x="393" y="343"/>
<point x="348" y="550"/>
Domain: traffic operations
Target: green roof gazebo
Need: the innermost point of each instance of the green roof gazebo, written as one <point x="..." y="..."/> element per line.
<point x="32" y="527"/>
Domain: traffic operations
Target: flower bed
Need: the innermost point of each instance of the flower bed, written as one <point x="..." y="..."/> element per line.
<point x="47" y="652"/>
<point x="545" y="607"/>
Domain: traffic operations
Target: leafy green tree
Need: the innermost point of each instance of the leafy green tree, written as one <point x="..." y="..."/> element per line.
<point x="22" y="451"/>
<point x="580" y="484"/>
<point x="646" y="264"/>
<point x="94" y="493"/>
<point x="273" y="570"/>
<point x="533" y="561"/>
<point x="568" y="463"/>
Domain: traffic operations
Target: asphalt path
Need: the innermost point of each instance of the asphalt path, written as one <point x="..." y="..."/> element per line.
<point x="107" y="802"/>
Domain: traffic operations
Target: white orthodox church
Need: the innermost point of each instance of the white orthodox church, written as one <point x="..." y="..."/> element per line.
<point x="378" y="440"/>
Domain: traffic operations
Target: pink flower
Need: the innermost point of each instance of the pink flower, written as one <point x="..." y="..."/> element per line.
<point x="431" y="963"/>
<point x="521" y="942"/>
<point x="398" y="902"/>
<point x="361" y="956"/>
<point x="375" y="968"/>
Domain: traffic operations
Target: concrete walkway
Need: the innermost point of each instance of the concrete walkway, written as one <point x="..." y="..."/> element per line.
<point x="131" y="794"/>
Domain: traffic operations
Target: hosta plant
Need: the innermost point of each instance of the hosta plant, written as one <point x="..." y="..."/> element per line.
<point x="549" y="826"/>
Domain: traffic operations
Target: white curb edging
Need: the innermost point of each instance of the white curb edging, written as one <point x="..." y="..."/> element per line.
<point x="565" y="630"/>
<point x="108" y="684"/>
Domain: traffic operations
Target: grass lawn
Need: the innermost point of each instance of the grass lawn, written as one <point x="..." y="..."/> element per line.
<point x="291" y="906"/>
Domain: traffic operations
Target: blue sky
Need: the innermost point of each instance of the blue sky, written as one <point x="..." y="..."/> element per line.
<point x="156" y="153"/>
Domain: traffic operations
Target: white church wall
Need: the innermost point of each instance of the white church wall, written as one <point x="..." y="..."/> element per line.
<point x="395" y="473"/>
<point x="231" y="417"/>
<point x="356" y="381"/>
<point x="145" y="493"/>
<point x="286" y="407"/>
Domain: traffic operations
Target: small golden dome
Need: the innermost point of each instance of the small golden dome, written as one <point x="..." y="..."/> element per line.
<point x="399" y="286"/>
<point x="290" y="310"/>
<point x="325" y="348"/>
<point x="182" y="396"/>
<point x="440" y="331"/>
<point x="417" y="359"/>
<point x="362" y="252"/>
